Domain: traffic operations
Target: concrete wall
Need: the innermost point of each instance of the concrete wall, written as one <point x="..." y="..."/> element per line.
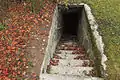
<point x="84" y="35"/>
<point x="53" y="39"/>
<point x="87" y="39"/>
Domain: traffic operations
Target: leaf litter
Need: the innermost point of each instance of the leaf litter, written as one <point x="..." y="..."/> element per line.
<point x="24" y="27"/>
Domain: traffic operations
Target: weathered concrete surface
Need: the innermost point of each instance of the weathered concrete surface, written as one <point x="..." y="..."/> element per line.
<point x="53" y="38"/>
<point x="72" y="62"/>
<point x="69" y="68"/>
<point x="98" y="38"/>
<point x="89" y="37"/>
<point x="68" y="77"/>
<point x="84" y="37"/>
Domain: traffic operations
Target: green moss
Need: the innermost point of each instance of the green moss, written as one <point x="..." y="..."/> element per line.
<point x="2" y="26"/>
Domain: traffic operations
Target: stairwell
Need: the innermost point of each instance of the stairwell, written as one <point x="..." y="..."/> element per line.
<point x="69" y="54"/>
<point x="70" y="62"/>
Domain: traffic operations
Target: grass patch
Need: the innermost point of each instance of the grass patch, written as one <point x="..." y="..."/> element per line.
<point x="107" y="14"/>
<point x="2" y="26"/>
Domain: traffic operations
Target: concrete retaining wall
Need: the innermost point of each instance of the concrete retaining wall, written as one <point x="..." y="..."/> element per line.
<point x="53" y="39"/>
<point x="86" y="38"/>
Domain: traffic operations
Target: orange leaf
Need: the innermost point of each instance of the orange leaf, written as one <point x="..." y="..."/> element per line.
<point x="14" y="43"/>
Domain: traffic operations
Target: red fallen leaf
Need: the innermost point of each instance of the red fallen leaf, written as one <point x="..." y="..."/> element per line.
<point x="18" y="72"/>
<point x="5" y="52"/>
<point x="5" y="71"/>
<point x="85" y="63"/>
<point x="6" y="78"/>
<point x="14" y="43"/>
<point x="13" y="48"/>
<point x="81" y="57"/>
<point x="0" y="66"/>
<point x="72" y="48"/>
<point x="34" y="75"/>
<point x="22" y="54"/>
<point x="6" y="31"/>
<point x="31" y="17"/>
<point x="39" y="19"/>
<point x="14" y="79"/>
<point x="24" y="59"/>
<point x="14" y="33"/>
<point x="0" y="44"/>
<point x="54" y="62"/>
<point x="42" y="33"/>
<point x="75" y="52"/>
<point x="29" y="28"/>
<point x="14" y="68"/>
<point x="9" y="59"/>
<point x="2" y="49"/>
<point x="35" y="21"/>
<point x="78" y="57"/>
<point x="8" y="47"/>
<point x="15" y="22"/>
<point x="22" y="31"/>
<point x="18" y="63"/>
<point x="14" y="73"/>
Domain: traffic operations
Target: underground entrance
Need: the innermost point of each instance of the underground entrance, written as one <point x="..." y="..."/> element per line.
<point x="69" y="31"/>
<point x="70" y="20"/>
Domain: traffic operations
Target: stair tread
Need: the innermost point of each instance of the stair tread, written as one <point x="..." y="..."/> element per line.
<point x="70" y="70"/>
<point x="65" y="54"/>
<point x="66" y="51"/>
<point x="72" y="63"/>
<point x="68" y="42"/>
<point x="68" y="77"/>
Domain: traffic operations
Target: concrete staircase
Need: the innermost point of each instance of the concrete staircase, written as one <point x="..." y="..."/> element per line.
<point x="70" y="62"/>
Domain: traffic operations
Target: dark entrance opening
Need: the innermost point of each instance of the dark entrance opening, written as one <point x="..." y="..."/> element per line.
<point x="70" y="19"/>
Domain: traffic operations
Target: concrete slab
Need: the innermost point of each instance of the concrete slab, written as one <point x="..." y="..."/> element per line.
<point x="70" y="70"/>
<point x="67" y="77"/>
<point x="67" y="54"/>
<point x="72" y="63"/>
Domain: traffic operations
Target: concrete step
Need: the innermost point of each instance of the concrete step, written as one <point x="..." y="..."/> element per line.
<point x="70" y="70"/>
<point x="67" y="77"/>
<point x="68" y="42"/>
<point x="73" y="63"/>
<point x="67" y="45"/>
<point x="65" y="51"/>
<point x="66" y="54"/>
